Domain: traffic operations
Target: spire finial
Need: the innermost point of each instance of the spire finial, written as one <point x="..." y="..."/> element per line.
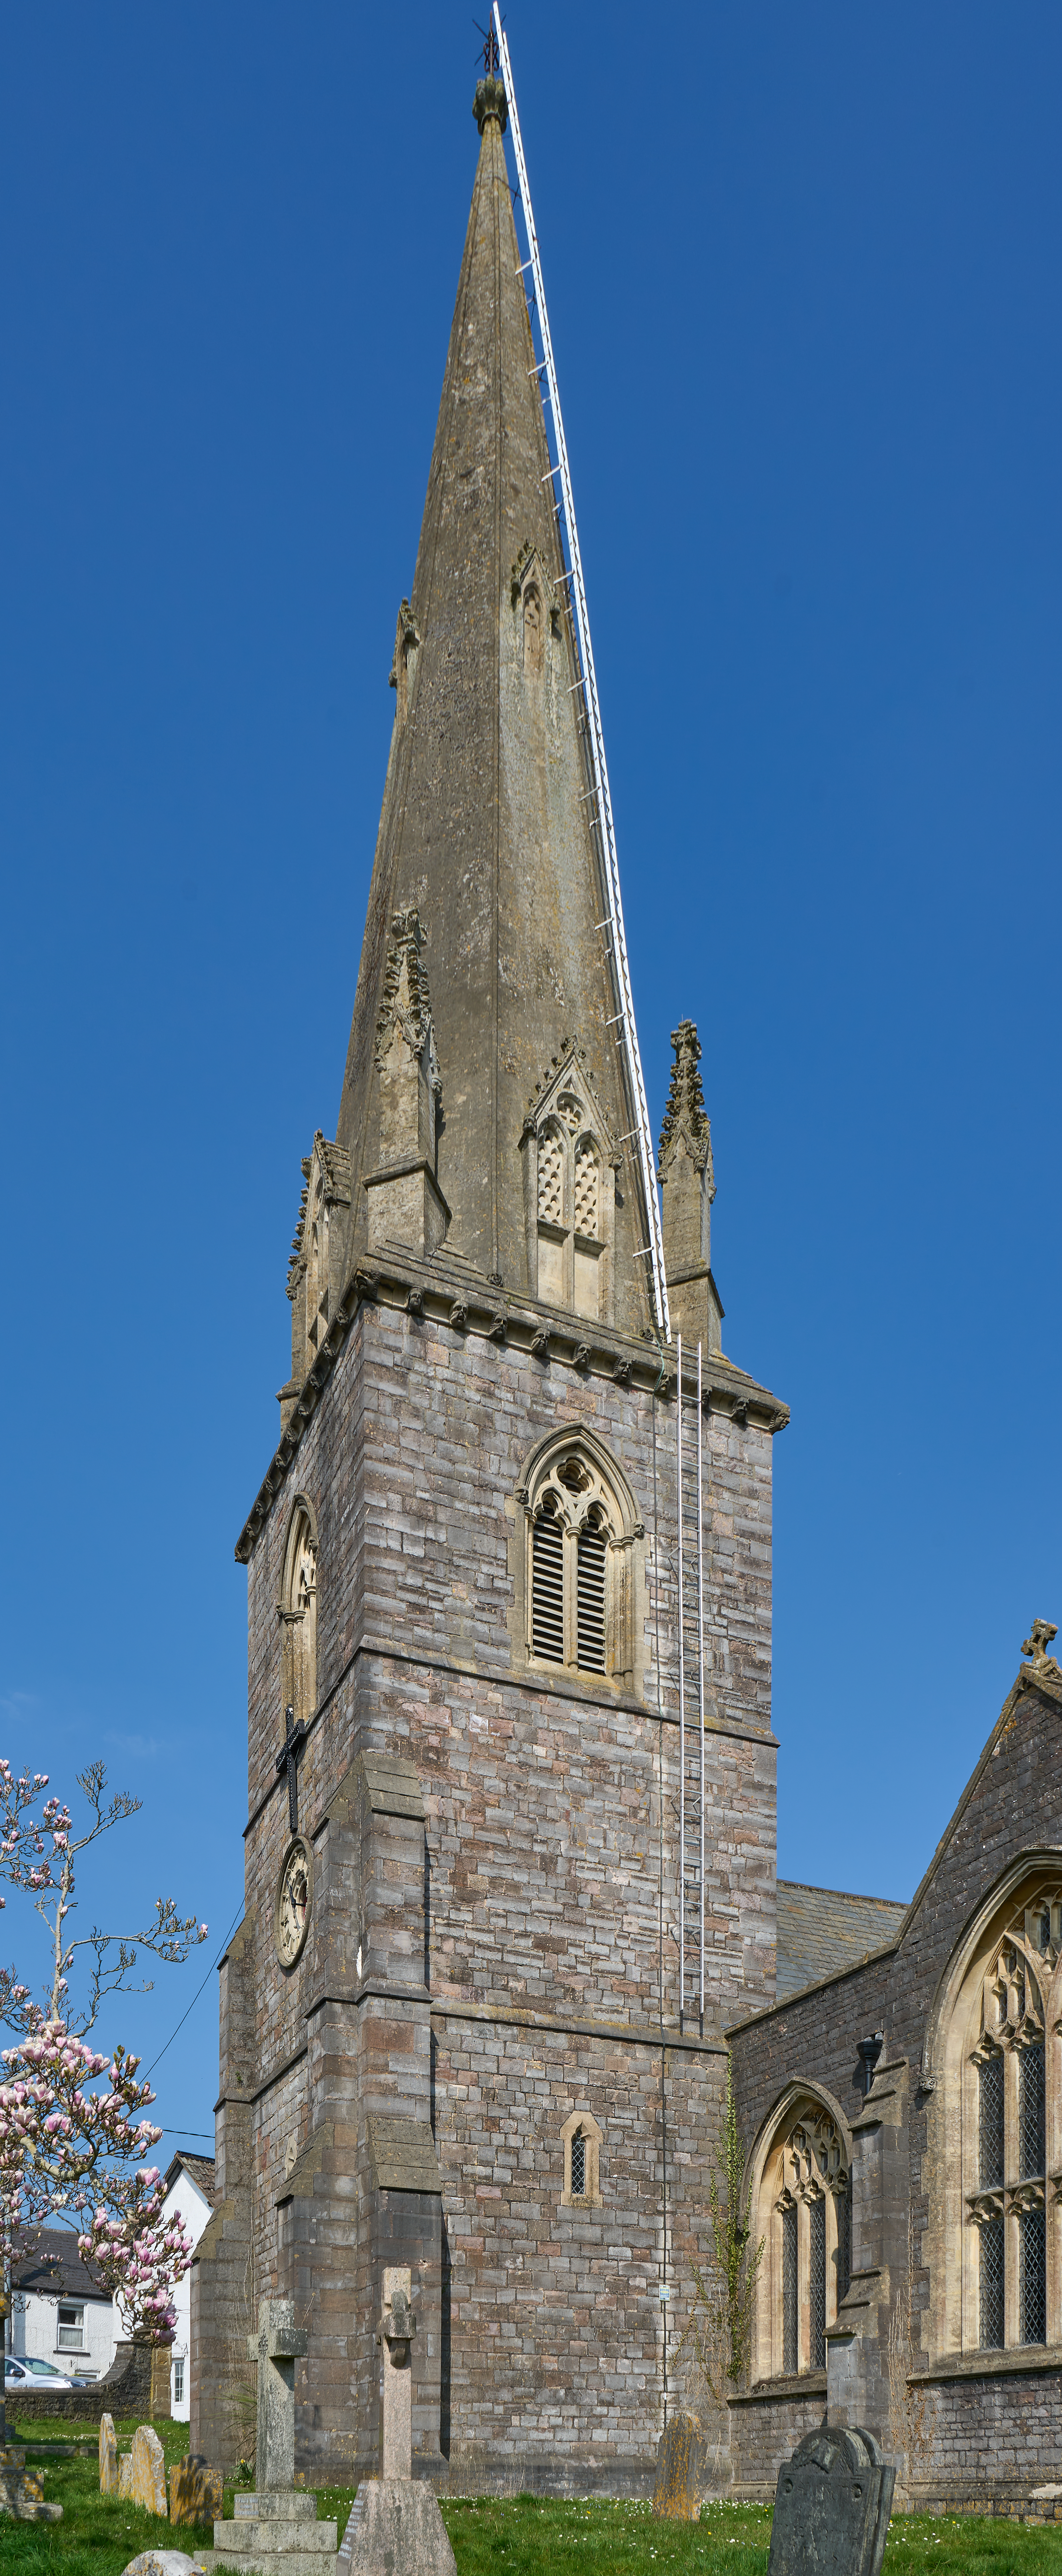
<point x="490" y="99"/>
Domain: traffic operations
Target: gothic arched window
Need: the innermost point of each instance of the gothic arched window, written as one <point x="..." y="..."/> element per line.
<point x="579" y="1570"/>
<point x="571" y="1194"/>
<point x="582" y="2141"/>
<point x="297" y="1610"/>
<point x="802" y="2210"/>
<point x="995" y="2055"/>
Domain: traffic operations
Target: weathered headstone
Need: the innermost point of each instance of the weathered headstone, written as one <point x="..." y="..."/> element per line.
<point x="396" y="2329"/>
<point x="108" y="2457"/>
<point x="22" y="2490"/>
<point x="147" y="2471"/>
<point x="125" y="2473"/>
<point x="680" y="2458"/>
<point x="195" y="2490"/>
<point x="831" y="2506"/>
<point x="276" y="2529"/>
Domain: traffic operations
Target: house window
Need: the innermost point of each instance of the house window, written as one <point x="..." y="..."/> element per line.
<point x="581" y="2140"/>
<point x="71" y="2330"/>
<point x="802" y="2209"/>
<point x="1005" y="2107"/>
<point x="579" y="1566"/>
<point x="178" y="2380"/>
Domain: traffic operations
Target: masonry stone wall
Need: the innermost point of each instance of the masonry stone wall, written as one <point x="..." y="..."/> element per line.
<point x="510" y="1942"/>
<point x="905" y="2146"/>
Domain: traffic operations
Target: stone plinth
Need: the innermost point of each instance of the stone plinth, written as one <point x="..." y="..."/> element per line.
<point x="395" y="2529"/>
<point x="275" y="2532"/>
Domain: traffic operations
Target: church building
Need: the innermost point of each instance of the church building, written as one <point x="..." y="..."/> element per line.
<point x="511" y="1908"/>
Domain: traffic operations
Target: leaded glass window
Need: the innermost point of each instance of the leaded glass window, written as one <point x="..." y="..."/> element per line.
<point x="790" y="2288"/>
<point x="1031" y="2152"/>
<point x="817" y="2216"/>
<point x="990" y="2122"/>
<point x="844" y="2240"/>
<point x="1032" y="2275"/>
<point x="991" y="2284"/>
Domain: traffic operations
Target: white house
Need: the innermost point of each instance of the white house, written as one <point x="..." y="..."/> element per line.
<point x="59" y="2314"/>
<point x="190" y="2193"/>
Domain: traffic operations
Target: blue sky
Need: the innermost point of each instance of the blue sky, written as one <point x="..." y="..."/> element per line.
<point x="802" y="269"/>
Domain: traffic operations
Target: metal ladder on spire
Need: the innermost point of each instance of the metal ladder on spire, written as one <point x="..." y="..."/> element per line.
<point x="693" y="1652"/>
<point x="654" y="1249"/>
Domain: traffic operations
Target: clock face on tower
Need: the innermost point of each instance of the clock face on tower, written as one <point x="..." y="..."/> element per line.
<point x="294" y="1898"/>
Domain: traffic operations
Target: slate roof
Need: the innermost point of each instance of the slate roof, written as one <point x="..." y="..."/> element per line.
<point x="53" y="2269"/>
<point x="821" y="1929"/>
<point x="201" y="2169"/>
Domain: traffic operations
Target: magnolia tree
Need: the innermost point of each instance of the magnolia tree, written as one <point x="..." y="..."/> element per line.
<point x="72" y="2145"/>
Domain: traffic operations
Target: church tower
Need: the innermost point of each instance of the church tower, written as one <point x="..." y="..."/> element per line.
<point x="451" y="2033"/>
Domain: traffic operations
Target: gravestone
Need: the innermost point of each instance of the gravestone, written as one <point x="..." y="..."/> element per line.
<point x="395" y="2526"/>
<point x="681" y="2454"/>
<point x="163" y="2562"/>
<point x="22" y="2490"/>
<point x="195" y="2490"/>
<point x="276" y="2529"/>
<point x="108" y="2457"/>
<point x="147" y="2471"/>
<point x="831" y="2507"/>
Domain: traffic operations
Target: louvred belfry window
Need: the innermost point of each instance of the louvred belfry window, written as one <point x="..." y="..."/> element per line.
<point x="583" y="1565"/>
<point x="548" y="1585"/>
<point x="590" y="1598"/>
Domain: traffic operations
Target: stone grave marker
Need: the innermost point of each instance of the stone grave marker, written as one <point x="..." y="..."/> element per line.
<point x="147" y="2471"/>
<point x="276" y="2529"/>
<point x="680" y="2458"/>
<point x="22" y="2489"/>
<point x="831" y="2507"/>
<point x="196" y="2490"/>
<point x="395" y="2526"/>
<point x="108" y="2457"/>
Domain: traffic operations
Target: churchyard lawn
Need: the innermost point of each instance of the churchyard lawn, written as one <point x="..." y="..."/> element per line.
<point x="510" y="2536"/>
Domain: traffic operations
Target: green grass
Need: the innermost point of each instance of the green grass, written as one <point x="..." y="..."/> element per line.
<point x="514" y="2536"/>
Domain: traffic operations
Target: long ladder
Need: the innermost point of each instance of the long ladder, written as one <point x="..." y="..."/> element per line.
<point x="690" y="1484"/>
<point x="607" y="830"/>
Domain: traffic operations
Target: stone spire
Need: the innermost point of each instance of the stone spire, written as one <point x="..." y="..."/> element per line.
<point x="516" y="1152"/>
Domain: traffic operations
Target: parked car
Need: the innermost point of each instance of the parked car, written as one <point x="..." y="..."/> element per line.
<point x="37" y="2374"/>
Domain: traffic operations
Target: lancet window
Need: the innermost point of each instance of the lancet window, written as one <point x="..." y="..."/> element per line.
<point x="579" y="1563"/>
<point x="581" y="2140"/>
<point x="802" y="2207"/>
<point x="297" y="1612"/>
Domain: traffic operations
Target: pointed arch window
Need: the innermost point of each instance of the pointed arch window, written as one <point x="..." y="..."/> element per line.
<point x="580" y="1559"/>
<point x="570" y="1194"/>
<point x="802" y="2210"/>
<point x="1010" y="2274"/>
<point x="297" y="1612"/>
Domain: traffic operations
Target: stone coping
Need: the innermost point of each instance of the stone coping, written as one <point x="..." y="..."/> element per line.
<point x="800" y="2386"/>
<point x="1024" y="2357"/>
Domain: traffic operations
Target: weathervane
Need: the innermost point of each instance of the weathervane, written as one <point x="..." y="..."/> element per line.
<point x="491" y="56"/>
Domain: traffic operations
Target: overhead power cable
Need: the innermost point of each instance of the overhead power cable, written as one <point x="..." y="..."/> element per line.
<point x="157" y="2061"/>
